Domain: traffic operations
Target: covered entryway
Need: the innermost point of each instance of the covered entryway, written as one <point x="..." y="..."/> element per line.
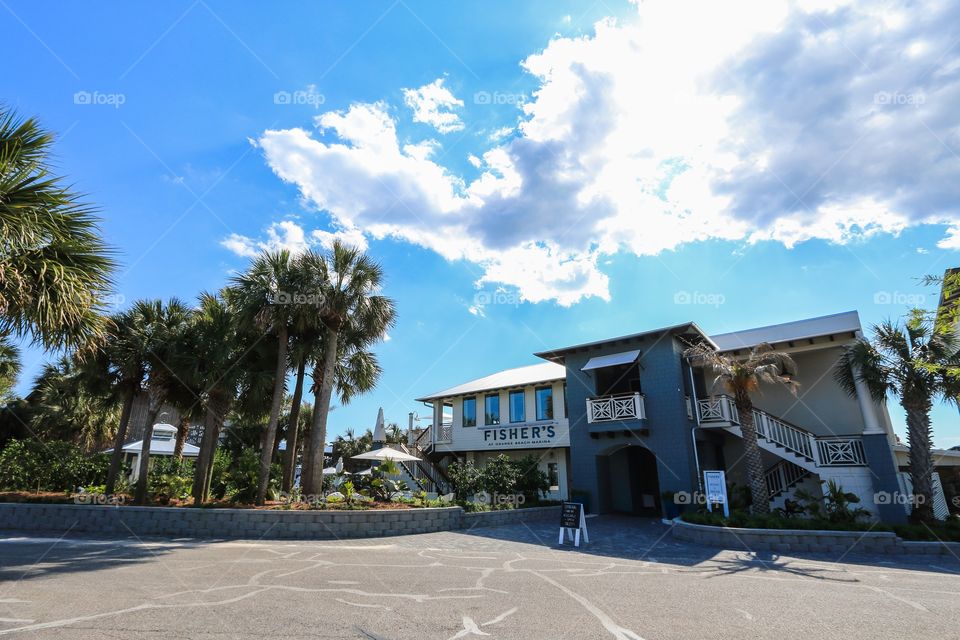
<point x="628" y="481"/>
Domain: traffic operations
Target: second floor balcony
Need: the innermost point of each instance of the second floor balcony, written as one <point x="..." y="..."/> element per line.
<point x="619" y="407"/>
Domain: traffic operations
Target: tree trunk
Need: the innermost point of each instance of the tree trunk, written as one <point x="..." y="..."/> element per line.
<point x="290" y="455"/>
<point x="279" y="386"/>
<point x="183" y="429"/>
<point x="117" y="456"/>
<point x="751" y="453"/>
<point x="921" y="459"/>
<point x="321" y="407"/>
<point x="208" y="448"/>
<point x="156" y="403"/>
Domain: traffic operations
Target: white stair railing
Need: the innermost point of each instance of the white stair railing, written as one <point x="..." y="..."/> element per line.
<point x="781" y="476"/>
<point x="840" y="451"/>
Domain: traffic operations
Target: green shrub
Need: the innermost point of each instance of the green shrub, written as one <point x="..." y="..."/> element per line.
<point x="31" y="465"/>
<point x="500" y="476"/>
<point x="465" y="478"/>
<point x="243" y="476"/>
<point x="533" y="482"/>
<point x="170" y="478"/>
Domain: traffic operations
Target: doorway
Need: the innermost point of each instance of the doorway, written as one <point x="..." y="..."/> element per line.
<point x="632" y="484"/>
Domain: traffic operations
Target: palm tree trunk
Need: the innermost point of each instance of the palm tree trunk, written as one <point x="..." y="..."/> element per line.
<point x="290" y="455"/>
<point x="208" y="445"/>
<point x="220" y="409"/>
<point x="279" y="386"/>
<point x="183" y="428"/>
<point x="921" y="459"/>
<point x="321" y="407"/>
<point x="156" y="403"/>
<point x="116" y="458"/>
<point x="751" y="453"/>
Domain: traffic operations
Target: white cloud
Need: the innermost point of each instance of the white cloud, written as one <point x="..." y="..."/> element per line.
<point x="290" y="236"/>
<point x="433" y="104"/>
<point x="767" y="123"/>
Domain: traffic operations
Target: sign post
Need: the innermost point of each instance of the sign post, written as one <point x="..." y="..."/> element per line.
<point x="573" y="521"/>
<point x="715" y="483"/>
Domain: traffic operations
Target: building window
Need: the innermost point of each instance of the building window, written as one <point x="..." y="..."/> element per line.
<point x="553" y="475"/>
<point x="491" y="409"/>
<point x="517" y="413"/>
<point x="545" y="403"/>
<point x="469" y="412"/>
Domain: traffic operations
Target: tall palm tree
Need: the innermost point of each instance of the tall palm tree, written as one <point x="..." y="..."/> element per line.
<point x="741" y="377"/>
<point x="165" y="332"/>
<point x="349" y="282"/>
<point x="122" y="358"/>
<point x="264" y="293"/>
<point x="918" y="362"/>
<point x="218" y="349"/>
<point x="54" y="267"/>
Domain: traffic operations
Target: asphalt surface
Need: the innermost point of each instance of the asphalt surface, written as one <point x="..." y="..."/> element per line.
<point x="632" y="581"/>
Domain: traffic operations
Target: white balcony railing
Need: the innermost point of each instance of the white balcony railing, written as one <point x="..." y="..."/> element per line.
<point x="625" y="406"/>
<point x="444" y="433"/>
<point x="718" y="409"/>
<point x="841" y="452"/>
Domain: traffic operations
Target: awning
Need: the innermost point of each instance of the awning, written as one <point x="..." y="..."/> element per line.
<point x="612" y="360"/>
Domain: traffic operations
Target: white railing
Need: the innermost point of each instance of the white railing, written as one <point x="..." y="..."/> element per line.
<point x="718" y="409"/>
<point x="841" y="452"/>
<point x="781" y="476"/>
<point x="824" y="452"/>
<point x="444" y="432"/>
<point x="625" y="406"/>
<point x="787" y="436"/>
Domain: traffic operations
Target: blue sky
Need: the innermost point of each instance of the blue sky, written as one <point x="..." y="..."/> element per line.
<point x="530" y="174"/>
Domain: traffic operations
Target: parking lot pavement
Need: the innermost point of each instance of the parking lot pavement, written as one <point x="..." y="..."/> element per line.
<point x="631" y="581"/>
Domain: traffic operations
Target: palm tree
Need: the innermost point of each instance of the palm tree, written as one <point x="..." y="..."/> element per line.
<point x="741" y="377"/>
<point x="918" y="362"/>
<point x="9" y="369"/>
<point x="122" y="358"/>
<point x="54" y="267"/>
<point x="218" y="350"/>
<point x="164" y="331"/>
<point x="349" y="282"/>
<point x="70" y="402"/>
<point x="263" y="293"/>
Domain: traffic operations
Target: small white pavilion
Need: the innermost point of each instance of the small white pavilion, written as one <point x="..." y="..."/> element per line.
<point x="162" y="444"/>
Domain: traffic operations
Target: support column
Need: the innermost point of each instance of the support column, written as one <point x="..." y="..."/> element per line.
<point x="880" y="457"/>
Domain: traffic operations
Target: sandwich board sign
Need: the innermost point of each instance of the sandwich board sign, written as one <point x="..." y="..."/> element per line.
<point x="715" y="484"/>
<point x="573" y="521"/>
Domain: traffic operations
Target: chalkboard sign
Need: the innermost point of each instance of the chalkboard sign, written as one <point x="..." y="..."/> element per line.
<point x="570" y="515"/>
<point x="572" y="521"/>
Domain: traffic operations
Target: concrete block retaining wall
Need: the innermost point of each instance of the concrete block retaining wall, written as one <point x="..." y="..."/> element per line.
<point x="802" y="540"/>
<point x="249" y="523"/>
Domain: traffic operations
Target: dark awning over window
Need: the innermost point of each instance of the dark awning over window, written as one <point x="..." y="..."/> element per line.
<point x="612" y="360"/>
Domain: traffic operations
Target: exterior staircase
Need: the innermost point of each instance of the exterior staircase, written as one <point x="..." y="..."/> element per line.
<point x="422" y="475"/>
<point x="805" y="458"/>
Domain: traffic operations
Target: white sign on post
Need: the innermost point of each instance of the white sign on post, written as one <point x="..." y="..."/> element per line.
<point x="573" y="521"/>
<point x="715" y="483"/>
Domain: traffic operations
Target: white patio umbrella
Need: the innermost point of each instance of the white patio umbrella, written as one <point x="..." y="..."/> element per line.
<point x="381" y="455"/>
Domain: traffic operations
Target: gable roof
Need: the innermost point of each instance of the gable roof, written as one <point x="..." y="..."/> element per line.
<point x="557" y="355"/>
<point x="517" y="377"/>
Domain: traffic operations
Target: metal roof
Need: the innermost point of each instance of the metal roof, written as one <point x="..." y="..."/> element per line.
<point x="518" y="377"/>
<point x="557" y="354"/>
<point x="847" y="321"/>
